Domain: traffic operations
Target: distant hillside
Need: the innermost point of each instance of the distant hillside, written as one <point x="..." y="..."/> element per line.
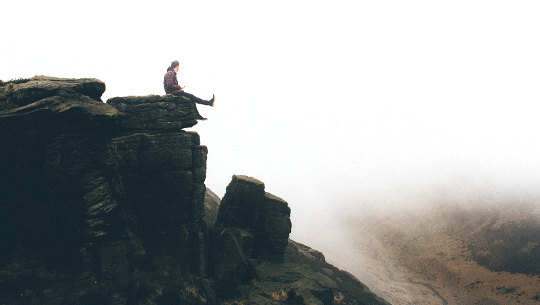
<point x="501" y="239"/>
<point x="450" y="254"/>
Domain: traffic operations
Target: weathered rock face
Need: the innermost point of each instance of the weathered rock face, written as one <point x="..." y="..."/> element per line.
<point x="304" y="278"/>
<point x="98" y="191"/>
<point x="155" y="112"/>
<point x="251" y="224"/>
<point x="252" y="260"/>
<point x="104" y="203"/>
<point x="247" y="206"/>
<point x="27" y="91"/>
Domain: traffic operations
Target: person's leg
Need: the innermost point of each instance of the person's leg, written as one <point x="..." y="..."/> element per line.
<point x="198" y="100"/>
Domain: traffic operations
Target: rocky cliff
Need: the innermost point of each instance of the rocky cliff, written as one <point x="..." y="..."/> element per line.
<point x="104" y="203"/>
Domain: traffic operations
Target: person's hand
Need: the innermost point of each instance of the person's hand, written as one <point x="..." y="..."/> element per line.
<point x="182" y="87"/>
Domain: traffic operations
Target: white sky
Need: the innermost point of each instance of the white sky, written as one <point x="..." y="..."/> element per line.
<point x="327" y="102"/>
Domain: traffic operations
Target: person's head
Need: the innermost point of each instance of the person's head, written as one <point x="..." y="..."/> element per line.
<point x="175" y="65"/>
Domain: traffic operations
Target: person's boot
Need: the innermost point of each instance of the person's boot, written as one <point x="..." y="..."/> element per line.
<point x="213" y="100"/>
<point x="200" y="117"/>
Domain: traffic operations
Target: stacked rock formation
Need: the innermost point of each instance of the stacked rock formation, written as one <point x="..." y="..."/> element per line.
<point x="252" y="260"/>
<point x="251" y="224"/>
<point x="163" y="169"/>
<point x="267" y="217"/>
<point x="104" y="203"/>
<point x="97" y="190"/>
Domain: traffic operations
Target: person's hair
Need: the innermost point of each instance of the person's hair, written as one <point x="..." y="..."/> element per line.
<point x="173" y="65"/>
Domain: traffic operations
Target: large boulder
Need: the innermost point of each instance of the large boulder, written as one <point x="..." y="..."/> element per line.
<point x="26" y="91"/>
<point x="251" y="225"/>
<point x="267" y="217"/>
<point x="155" y="112"/>
<point x="252" y="260"/>
<point x="54" y="105"/>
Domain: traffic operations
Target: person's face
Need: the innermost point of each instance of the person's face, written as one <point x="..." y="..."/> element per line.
<point x="176" y="68"/>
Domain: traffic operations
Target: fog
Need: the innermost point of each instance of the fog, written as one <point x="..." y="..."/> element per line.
<point x="334" y="105"/>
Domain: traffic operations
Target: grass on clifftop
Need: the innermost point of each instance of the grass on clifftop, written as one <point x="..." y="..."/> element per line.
<point x="14" y="81"/>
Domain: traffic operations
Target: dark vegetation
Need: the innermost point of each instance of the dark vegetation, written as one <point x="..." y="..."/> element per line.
<point x="498" y="242"/>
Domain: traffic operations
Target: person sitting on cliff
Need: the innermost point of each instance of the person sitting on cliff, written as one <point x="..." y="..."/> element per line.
<point x="170" y="82"/>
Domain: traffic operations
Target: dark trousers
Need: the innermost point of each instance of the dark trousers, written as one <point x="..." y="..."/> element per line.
<point x="194" y="98"/>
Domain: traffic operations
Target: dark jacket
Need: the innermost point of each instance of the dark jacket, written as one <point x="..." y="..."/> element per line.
<point x="170" y="83"/>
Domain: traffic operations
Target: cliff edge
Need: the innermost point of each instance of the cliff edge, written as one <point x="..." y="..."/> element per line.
<point x="104" y="203"/>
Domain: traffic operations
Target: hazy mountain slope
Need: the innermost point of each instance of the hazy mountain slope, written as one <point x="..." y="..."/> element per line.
<point x="449" y="255"/>
<point x="501" y="239"/>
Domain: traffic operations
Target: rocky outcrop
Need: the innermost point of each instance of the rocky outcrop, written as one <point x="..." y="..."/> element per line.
<point x="264" y="216"/>
<point x="303" y="278"/>
<point x="104" y="203"/>
<point x="27" y="91"/>
<point x="86" y="192"/>
<point x="252" y="260"/>
<point x="155" y="113"/>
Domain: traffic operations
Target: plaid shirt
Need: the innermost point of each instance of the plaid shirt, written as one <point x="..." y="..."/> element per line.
<point x="170" y="83"/>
